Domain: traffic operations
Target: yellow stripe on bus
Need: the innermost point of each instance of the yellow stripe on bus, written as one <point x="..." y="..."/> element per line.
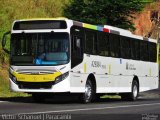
<point x="150" y="72"/>
<point x="36" y="78"/>
<point x="58" y="18"/>
<point x="89" y="26"/>
<point x="109" y="69"/>
<point x="84" y="67"/>
<point x="157" y="52"/>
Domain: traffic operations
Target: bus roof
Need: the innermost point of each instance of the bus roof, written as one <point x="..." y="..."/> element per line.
<point x="104" y="28"/>
<point x="57" y="18"/>
<point x="122" y="31"/>
<point x="114" y="30"/>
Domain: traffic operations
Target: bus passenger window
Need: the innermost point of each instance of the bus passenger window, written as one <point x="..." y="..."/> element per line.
<point x="135" y="49"/>
<point x="103" y="39"/>
<point x="91" y="42"/>
<point x="144" y="51"/>
<point x="152" y="52"/>
<point x="125" y="48"/>
<point x="114" y="45"/>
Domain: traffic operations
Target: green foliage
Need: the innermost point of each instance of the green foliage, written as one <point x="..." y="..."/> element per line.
<point x="3" y="57"/>
<point x="5" y="91"/>
<point x="112" y="12"/>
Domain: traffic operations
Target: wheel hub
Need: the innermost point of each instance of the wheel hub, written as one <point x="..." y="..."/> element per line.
<point x="88" y="92"/>
<point x="135" y="91"/>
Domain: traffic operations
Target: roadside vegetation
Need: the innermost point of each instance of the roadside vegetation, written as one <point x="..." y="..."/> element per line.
<point x="4" y="85"/>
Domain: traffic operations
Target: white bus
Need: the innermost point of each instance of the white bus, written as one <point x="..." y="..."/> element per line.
<point x="64" y="56"/>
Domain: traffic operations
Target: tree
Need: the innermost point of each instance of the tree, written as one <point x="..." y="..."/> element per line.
<point x="111" y="12"/>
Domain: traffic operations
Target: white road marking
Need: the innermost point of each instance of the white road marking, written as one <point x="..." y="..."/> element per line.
<point x="86" y="109"/>
<point x="2" y="101"/>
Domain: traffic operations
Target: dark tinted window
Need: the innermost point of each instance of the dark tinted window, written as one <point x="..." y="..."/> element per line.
<point x="135" y="49"/>
<point x="90" y="42"/>
<point x="77" y="45"/>
<point x="114" y="45"/>
<point x="103" y="39"/>
<point x="152" y="52"/>
<point x="125" y="47"/>
<point x="39" y="24"/>
<point x="144" y="50"/>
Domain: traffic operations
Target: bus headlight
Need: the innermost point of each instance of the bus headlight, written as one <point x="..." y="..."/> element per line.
<point x="61" y="77"/>
<point x="12" y="77"/>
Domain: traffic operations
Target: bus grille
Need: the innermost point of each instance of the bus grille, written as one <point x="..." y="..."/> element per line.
<point x="35" y="85"/>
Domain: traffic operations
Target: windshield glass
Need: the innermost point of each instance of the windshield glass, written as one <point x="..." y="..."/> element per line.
<point x="39" y="49"/>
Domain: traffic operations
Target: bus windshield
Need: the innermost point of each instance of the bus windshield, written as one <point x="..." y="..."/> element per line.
<point x="39" y="48"/>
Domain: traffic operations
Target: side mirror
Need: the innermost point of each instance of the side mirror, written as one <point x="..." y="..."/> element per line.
<point x="4" y="39"/>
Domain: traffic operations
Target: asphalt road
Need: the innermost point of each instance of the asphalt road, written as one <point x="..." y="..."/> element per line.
<point x="147" y="107"/>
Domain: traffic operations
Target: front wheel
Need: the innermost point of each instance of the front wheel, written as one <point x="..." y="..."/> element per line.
<point x="89" y="93"/>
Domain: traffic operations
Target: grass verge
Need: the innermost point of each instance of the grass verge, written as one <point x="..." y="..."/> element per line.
<point x="111" y="97"/>
<point x="4" y="85"/>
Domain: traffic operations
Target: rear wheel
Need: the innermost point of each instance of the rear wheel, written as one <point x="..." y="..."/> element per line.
<point x="135" y="91"/>
<point x="89" y="93"/>
<point x="134" y="94"/>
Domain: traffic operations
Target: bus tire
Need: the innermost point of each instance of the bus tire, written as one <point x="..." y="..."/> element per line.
<point x="38" y="97"/>
<point x="89" y="93"/>
<point x="134" y="93"/>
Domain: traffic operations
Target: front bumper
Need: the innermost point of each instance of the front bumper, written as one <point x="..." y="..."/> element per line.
<point x="63" y="86"/>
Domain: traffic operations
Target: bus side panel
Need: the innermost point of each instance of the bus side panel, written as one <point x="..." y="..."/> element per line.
<point x="114" y="75"/>
<point x="77" y="82"/>
<point x="149" y="80"/>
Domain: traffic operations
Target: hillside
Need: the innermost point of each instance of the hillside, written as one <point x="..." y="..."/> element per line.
<point x="147" y="22"/>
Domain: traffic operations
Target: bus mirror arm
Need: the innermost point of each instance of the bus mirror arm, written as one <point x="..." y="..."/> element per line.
<point x="7" y="51"/>
<point x="4" y="39"/>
